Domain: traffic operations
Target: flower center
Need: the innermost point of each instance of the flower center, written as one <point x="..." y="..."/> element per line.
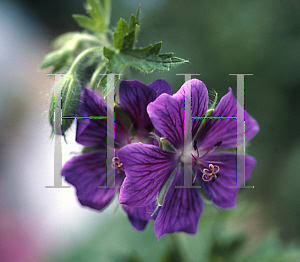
<point x="210" y="173"/>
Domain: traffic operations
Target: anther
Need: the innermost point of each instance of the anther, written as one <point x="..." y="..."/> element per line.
<point x="195" y="145"/>
<point x="117" y="164"/>
<point x="218" y="144"/>
<point x="208" y="175"/>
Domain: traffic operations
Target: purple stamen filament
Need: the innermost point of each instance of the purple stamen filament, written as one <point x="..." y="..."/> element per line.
<point x="208" y="174"/>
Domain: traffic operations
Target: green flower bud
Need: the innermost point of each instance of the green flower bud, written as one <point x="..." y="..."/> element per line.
<point x="70" y="93"/>
<point x="69" y="98"/>
<point x="51" y="111"/>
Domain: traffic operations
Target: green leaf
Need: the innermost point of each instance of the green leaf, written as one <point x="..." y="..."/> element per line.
<point x="97" y="12"/>
<point x="125" y="36"/>
<point x="130" y="39"/>
<point x="85" y="22"/>
<point x="132" y="23"/>
<point x="100" y="16"/>
<point x="121" y="32"/>
<point x="151" y="49"/>
<point x="106" y="6"/>
<point x="95" y="9"/>
<point x="108" y="53"/>
<point x="138" y="15"/>
<point x="103" y="82"/>
<point x="146" y="59"/>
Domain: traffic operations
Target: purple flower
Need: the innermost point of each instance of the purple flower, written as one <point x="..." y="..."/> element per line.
<point x="154" y="173"/>
<point x="88" y="171"/>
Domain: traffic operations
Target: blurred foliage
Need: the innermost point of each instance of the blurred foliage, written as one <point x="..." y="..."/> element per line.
<point x="221" y="238"/>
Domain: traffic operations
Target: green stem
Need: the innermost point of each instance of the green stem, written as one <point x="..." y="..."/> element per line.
<point x="95" y="75"/>
<point x="81" y="56"/>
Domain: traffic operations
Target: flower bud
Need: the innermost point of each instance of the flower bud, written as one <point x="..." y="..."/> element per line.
<point x="71" y="91"/>
<point x="70" y="101"/>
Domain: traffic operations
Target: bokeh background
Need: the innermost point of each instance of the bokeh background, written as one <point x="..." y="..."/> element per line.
<point x="218" y="37"/>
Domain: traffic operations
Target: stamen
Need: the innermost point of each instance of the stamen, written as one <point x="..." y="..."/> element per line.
<point x="117" y="164"/>
<point x="212" y="150"/>
<point x="195" y="176"/>
<point x="218" y="144"/>
<point x="208" y="175"/>
<point x="195" y="145"/>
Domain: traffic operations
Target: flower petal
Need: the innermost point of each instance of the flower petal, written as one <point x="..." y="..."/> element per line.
<point x="225" y="130"/>
<point x="134" y="98"/>
<point x="88" y="171"/>
<point x="167" y="112"/>
<point x="218" y="190"/>
<point x="147" y="168"/>
<point x="91" y="132"/>
<point x="160" y="86"/>
<point x="139" y="216"/>
<point x="181" y="208"/>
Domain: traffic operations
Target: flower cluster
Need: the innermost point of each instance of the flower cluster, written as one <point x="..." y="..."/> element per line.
<point x="151" y="154"/>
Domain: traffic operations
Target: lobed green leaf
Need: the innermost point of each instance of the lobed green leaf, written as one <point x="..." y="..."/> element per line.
<point x="146" y="61"/>
<point x="86" y="22"/>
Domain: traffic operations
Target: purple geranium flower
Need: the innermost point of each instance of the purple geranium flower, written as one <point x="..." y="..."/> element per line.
<point x="153" y="173"/>
<point x="88" y="171"/>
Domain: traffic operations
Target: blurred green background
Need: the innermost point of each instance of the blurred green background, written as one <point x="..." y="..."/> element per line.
<point x="218" y="38"/>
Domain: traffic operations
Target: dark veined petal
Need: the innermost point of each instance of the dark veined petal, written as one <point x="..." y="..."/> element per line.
<point x="225" y="130"/>
<point x="88" y="171"/>
<point x="147" y="168"/>
<point x="181" y="209"/>
<point x="160" y="86"/>
<point x="218" y="191"/>
<point x="199" y="102"/>
<point x="134" y="98"/>
<point x="167" y="113"/>
<point x="139" y="216"/>
<point x="91" y="132"/>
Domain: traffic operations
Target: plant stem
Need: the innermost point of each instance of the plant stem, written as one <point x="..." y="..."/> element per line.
<point x="81" y="56"/>
<point x="95" y="75"/>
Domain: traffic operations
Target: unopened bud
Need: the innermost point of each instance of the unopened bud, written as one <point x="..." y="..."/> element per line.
<point x="70" y="101"/>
